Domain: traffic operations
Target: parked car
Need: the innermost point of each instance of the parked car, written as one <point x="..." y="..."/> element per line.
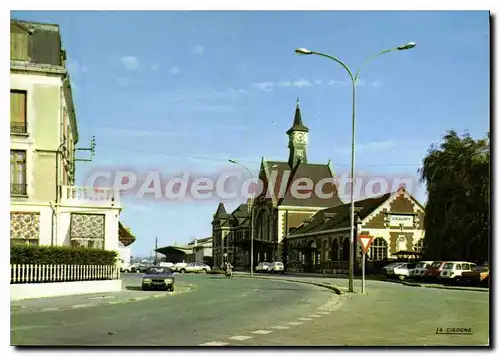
<point x="124" y="267"/>
<point x="263" y="267"/>
<point x="453" y="270"/>
<point x="420" y="269"/>
<point x="389" y="269"/>
<point x="178" y="266"/>
<point x="166" y="264"/>
<point x="277" y="267"/>
<point x="195" y="267"/>
<point x="480" y="275"/>
<point x="404" y="270"/>
<point x="434" y="270"/>
<point x="140" y="267"/>
<point x="158" y="278"/>
<point x="135" y="267"/>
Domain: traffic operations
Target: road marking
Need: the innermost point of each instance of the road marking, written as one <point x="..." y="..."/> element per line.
<point x="262" y="332"/>
<point x="279" y="327"/>
<point x="304" y="319"/>
<point x="315" y="316"/>
<point x="214" y="343"/>
<point x="294" y="323"/>
<point x="240" y="338"/>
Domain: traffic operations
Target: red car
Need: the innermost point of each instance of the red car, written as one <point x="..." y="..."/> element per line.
<point x="434" y="270"/>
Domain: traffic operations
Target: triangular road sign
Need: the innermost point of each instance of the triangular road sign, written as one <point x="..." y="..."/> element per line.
<point x="366" y="241"/>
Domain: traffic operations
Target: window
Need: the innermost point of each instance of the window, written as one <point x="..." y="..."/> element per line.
<point x="419" y="246"/>
<point x="18" y="172"/>
<point x="18" y="45"/>
<point x="378" y="250"/>
<point x="18" y="111"/>
<point x="87" y="230"/>
<point x="24" y="228"/>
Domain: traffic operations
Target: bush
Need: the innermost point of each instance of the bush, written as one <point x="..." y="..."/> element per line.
<point x="60" y="255"/>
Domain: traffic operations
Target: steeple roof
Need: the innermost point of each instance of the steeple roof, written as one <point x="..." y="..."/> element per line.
<point x="221" y="210"/>
<point x="297" y="121"/>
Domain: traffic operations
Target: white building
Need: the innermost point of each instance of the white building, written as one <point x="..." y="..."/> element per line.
<point x="46" y="207"/>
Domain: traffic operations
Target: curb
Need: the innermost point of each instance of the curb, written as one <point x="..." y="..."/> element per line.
<point x="188" y="288"/>
<point x="335" y="289"/>
<point x="445" y="287"/>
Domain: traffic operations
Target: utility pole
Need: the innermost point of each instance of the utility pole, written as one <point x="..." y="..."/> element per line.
<point x="156" y="253"/>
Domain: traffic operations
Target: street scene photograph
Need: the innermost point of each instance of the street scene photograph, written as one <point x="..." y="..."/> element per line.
<point x="241" y="179"/>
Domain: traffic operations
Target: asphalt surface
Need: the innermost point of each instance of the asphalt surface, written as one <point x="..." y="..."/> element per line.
<point x="254" y="312"/>
<point x="217" y="310"/>
<point x="392" y="314"/>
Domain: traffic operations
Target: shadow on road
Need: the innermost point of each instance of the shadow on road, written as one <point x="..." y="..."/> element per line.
<point x="133" y="288"/>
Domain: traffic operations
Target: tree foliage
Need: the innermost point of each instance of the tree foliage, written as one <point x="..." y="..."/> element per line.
<point x="457" y="219"/>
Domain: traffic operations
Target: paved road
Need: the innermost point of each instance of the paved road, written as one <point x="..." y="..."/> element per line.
<point x="216" y="311"/>
<point x="244" y="312"/>
<point x="392" y="314"/>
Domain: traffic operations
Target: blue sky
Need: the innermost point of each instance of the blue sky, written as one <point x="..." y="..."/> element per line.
<point x="180" y="91"/>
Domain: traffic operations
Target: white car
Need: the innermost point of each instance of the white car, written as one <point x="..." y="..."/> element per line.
<point x="124" y="267"/>
<point x="263" y="267"/>
<point x="166" y="264"/>
<point x="420" y="269"/>
<point x="178" y="266"/>
<point x="277" y="267"/>
<point x="389" y="269"/>
<point x="195" y="267"/>
<point x="404" y="270"/>
<point x="453" y="270"/>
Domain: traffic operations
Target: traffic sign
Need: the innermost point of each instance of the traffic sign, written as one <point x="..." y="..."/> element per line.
<point x="366" y="241"/>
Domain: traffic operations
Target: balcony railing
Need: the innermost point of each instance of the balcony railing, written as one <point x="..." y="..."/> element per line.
<point x="90" y="195"/>
<point x="18" y="127"/>
<point x="18" y="189"/>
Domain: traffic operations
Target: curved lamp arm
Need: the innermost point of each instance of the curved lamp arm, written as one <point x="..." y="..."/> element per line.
<point x="355" y="77"/>
<point x="242" y="165"/>
<point x="371" y="59"/>
<point x="338" y="61"/>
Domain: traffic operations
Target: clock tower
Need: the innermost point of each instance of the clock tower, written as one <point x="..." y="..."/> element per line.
<point x="297" y="139"/>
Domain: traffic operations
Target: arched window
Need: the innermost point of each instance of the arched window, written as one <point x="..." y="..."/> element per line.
<point x="419" y="245"/>
<point x="401" y="244"/>
<point x="335" y="250"/>
<point x="378" y="249"/>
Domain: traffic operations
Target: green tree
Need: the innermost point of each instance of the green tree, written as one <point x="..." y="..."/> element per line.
<point x="457" y="219"/>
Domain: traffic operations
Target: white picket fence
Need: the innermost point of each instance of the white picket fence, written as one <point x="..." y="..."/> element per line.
<point x="62" y="273"/>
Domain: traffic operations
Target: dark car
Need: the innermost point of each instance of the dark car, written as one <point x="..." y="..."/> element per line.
<point x="158" y="278"/>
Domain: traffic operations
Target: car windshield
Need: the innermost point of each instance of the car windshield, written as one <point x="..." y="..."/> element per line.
<point x="420" y="265"/>
<point x="448" y="266"/>
<point x="436" y="264"/>
<point x="159" y="270"/>
<point x="279" y="264"/>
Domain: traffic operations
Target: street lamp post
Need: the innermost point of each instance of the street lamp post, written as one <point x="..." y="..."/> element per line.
<point x="354" y="79"/>
<point x="252" y="218"/>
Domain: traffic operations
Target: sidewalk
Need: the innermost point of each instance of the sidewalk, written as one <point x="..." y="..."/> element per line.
<point x="131" y="294"/>
<point x="341" y="284"/>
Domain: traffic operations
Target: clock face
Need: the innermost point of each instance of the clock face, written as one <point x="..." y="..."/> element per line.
<point x="300" y="137"/>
